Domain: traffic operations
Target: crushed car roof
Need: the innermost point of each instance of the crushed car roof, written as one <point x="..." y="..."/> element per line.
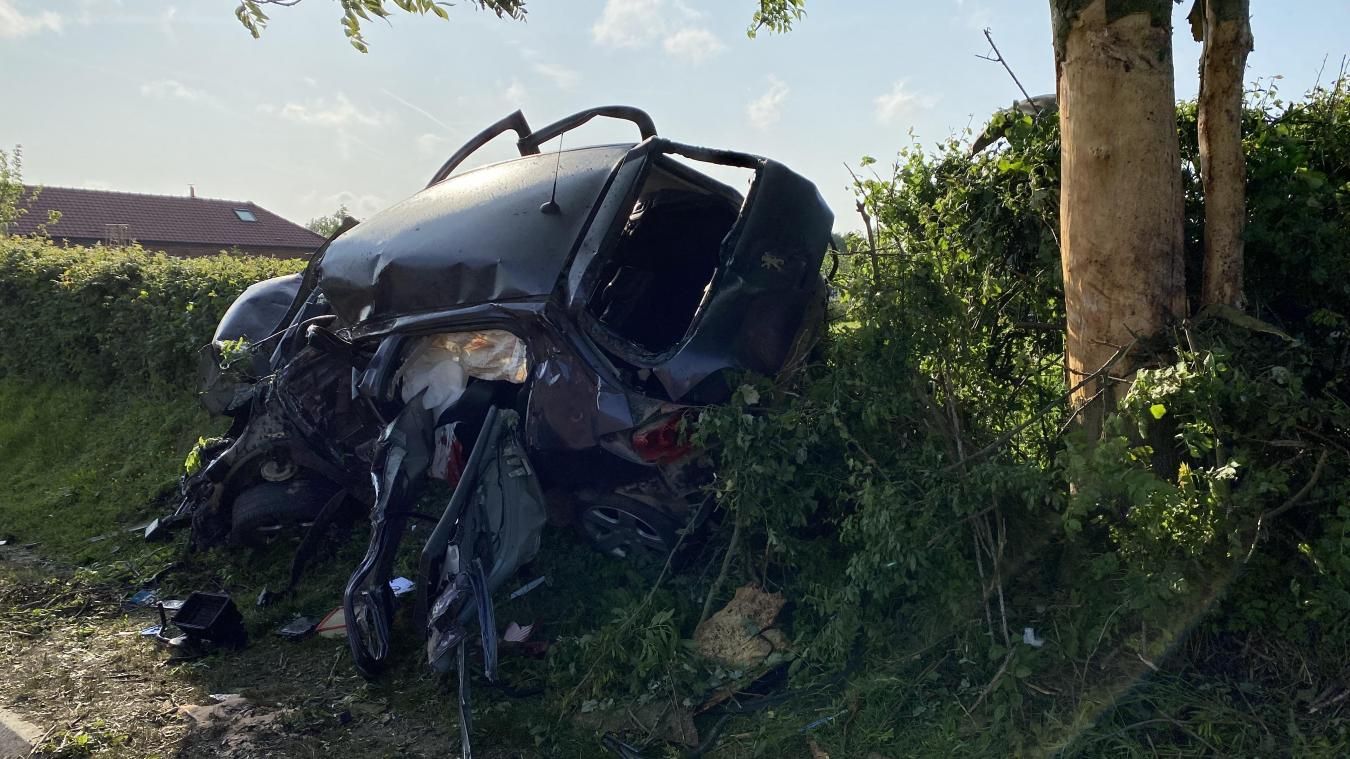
<point x="477" y="237"/>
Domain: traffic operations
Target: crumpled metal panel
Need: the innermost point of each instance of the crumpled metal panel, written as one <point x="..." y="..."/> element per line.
<point x="257" y="311"/>
<point x="763" y="297"/>
<point x="476" y="237"/>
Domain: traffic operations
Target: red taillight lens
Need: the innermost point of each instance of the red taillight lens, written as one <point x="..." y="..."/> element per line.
<point x="447" y="463"/>
<point x="666" y="440"/>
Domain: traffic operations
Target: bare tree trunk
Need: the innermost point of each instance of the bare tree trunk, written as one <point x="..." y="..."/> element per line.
<point x="1225" y="28"/>
<point x="1121" y="205"/>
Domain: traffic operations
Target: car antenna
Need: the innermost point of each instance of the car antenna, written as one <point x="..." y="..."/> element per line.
<point x="551" y="208"/>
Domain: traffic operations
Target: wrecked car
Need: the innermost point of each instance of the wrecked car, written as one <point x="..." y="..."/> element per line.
<point x="537" y="333"/>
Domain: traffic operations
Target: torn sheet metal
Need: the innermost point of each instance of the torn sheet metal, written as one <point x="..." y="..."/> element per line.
<point x="491" y="527"/>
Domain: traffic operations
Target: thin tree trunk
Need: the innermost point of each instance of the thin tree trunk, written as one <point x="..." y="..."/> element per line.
<point x="1225" y="28"/>
<point x="1121" y="206"/>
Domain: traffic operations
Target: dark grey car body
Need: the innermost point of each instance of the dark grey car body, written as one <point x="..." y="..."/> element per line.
<point x="639" y="287"/>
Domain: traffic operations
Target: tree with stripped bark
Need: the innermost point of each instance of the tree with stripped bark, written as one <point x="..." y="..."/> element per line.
<point x="1224" y="27"/>
<point x="1121" y="204"/>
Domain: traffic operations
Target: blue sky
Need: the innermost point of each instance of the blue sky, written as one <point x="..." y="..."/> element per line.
<point x="154" y="95"/>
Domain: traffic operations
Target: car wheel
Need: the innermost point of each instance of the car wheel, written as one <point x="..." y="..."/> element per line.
<point x="630" y="530"/>
<point x="265" y="510"/>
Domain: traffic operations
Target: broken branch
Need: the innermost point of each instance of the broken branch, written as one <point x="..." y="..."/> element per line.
<point x="997" y="57"/>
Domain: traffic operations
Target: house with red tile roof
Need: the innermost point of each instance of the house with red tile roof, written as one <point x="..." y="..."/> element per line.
<point x="180" y="225"/>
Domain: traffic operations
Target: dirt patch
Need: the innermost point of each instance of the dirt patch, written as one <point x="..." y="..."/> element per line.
<point x="74" y="664"/>
<point x="73" y="661"/>
<point x="236" y="724"/>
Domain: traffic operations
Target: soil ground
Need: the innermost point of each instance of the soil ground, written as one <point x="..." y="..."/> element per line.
<point x="76" y="664"/>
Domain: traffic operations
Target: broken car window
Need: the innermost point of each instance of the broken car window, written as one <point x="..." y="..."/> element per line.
<point x="654" y="280"/>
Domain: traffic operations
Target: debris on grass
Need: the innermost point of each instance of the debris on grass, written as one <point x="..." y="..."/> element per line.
<point x="333" y="624"/>
<point x="516" y="633"/>
<point x="298" y="628"/>
<point x="141" y="599"/>
<point x="742" y="634"/>
<point x="239" y="721"/>
<point x="527" y="587"/>
<point x="211" y="618"/>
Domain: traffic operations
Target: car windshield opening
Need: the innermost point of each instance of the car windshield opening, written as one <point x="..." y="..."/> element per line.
<point x="658" y="274"/>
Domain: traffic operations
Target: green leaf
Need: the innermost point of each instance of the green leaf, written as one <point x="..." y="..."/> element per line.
<point x="1157" y="410"/>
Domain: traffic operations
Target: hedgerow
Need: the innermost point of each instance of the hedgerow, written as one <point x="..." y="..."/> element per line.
<point x="989" y="583"/>
<point x="114" y="316"/>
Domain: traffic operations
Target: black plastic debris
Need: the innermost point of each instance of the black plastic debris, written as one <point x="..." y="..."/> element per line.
<point x="211" y="617"/>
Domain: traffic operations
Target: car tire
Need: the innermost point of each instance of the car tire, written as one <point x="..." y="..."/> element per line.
<point x="629" y="530"/>
<point x="267" y="509"/>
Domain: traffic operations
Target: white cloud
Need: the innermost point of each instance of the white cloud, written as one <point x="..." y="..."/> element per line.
<point x="361" y="206"/>
<point x="765" y="110"/>
<point x="170" y="88"/>
<point x="629" y="23"/>
<point x="693" y="44"/>
<point x="562" y="76"/>
<point x="515" y="93"/>
<point x="338" y="113"/>
<point x="430" y="144"/>
<point x="900" y="102"/>
<point x="166" y="23"/>
<point x="14" y="23"/>
<point x="670" y="23"/>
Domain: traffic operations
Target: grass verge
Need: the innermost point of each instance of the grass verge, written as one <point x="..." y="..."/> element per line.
<point x="81" y="467"/>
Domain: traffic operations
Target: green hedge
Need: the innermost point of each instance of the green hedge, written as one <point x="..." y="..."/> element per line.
<point x="114" y="316"/>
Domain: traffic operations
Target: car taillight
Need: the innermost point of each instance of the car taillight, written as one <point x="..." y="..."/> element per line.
<point x="447" y="462"/>
<point x="666" y="440"/>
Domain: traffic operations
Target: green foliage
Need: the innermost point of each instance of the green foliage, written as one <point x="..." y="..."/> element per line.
<point x="11" y="187"/>
<point x="327" y="225"/>
<point x="357" y="12"/>
<point x="193" y="462"/>
<point x="15" y="199"/>
<point x="114" y="316"/>
<point x="1298" y="198"/>
<point x="945" y="341"/>
<point x="912" y="490"/>
<point x="776" y="16"/>
<point x="634" y="653"/>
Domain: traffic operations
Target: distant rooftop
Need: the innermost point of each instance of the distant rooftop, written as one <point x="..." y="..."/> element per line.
<point x="92" y="215"/>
